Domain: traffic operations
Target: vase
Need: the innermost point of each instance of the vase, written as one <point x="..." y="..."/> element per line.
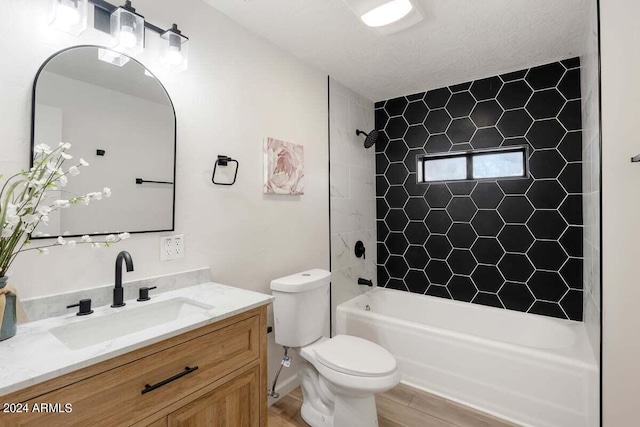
<point x="9" y="320"/>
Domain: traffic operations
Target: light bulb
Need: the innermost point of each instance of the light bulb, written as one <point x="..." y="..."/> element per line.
<point x="387" y="13"/>
<point x="68" y="15"/>
<point x="174" y="56"/>
<point x="127" y="37"/>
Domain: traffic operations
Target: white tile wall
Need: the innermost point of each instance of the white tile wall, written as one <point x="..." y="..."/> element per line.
<point x="352" y="183"/>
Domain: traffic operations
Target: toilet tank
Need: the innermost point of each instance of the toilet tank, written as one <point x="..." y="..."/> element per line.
<point x="301" y="307"/>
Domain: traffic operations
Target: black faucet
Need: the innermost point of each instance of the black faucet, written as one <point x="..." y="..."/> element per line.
<point x="118" y="292"/>
<point x="365" y="282"/>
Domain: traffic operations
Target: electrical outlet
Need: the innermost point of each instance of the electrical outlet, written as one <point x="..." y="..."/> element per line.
<point x="178" y="246"/>
<point x="166" y="244"/>
<point x="171" y="247"/>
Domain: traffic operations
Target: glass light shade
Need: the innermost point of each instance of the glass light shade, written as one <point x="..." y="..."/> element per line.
<point x="387" y="13"/>
<point x="69" y="16"/>
<point x="112" y="57"/>
<point x="175" y="56"/>
<point x="127" y="32"/>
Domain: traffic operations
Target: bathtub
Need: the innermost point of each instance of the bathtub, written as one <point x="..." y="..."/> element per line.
<point x="532" y="370"/>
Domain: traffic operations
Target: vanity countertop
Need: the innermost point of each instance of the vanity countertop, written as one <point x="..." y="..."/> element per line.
<point x="34" y="355"/>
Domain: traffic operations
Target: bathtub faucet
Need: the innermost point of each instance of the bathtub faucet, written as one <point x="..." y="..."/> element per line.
<point x="366" y="282"/>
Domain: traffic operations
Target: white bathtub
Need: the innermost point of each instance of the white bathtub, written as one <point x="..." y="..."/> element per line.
<point x="533" y="370"/>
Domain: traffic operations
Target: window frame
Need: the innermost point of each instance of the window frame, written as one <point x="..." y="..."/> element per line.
<point x="422" y="160"/>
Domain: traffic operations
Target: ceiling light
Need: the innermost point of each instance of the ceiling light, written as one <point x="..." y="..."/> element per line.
<point x="387" y="13"/>
<point x="69" y="16"/>
<point x="386" y="16"/>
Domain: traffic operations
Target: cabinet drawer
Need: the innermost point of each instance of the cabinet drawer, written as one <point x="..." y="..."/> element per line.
<point x="116" y="397"/>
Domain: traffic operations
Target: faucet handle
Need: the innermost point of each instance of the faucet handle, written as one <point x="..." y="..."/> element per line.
<point x="84" y="307"/>
<point x="144" y="293"/>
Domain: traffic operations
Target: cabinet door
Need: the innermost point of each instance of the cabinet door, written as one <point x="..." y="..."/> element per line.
<point x="236" y="403"/>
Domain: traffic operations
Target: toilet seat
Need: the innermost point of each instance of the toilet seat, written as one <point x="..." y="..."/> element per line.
<point x="355" y="356"/>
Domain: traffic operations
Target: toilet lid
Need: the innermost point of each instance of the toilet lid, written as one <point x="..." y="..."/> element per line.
<point x="355" y="356"/>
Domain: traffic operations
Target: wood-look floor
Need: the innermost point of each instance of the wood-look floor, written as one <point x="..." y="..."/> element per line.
<point x="402" y="406"/>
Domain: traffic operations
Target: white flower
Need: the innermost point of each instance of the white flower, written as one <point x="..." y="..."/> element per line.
<point x="74" y="171"/>
<point x="65" y="145"/>
<point x="45" y="219"/>
<point x="110" y="238"/>
<point x="37" y="183"/>
<point x="86" y="200"/>
<point x="52" y="167"/>
<point x="124" y="236"/>
<point x="71" y="244"/>
<point x="83" y="162"/>
<point x="12" y="209"/>
<point x="97" y="195"/>
<point x="28" y="227"/>
<point x="6" y="232"/>
<point x="12" y="220"/>
<point x="44" y="210"/>
<point x="86" y="238"/>
<point x="42" y="148"/>
<point x="61" y="241"/>
<point x="30" y="205"/>
<point x="61" y="203"/>
<point x="66" y="156"/>
<point x="44" y="251"/>
<point x="106" y="191"/>
<point x="96" y="245"/>
<point x="29" y="218"/>
<point x="63" y="180"/>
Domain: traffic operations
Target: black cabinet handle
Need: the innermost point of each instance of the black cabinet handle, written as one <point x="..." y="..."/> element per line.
<point x="187" y="370"/>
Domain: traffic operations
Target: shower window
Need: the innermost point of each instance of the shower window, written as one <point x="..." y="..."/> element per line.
<point x="500" y="163"/>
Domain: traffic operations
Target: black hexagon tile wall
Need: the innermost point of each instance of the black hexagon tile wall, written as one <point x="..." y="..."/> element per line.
<point x="513" y="243"/>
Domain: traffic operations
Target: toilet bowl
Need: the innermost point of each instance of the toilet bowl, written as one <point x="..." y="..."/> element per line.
<point x="339" y="376"/>
<point x="340" y="379"/>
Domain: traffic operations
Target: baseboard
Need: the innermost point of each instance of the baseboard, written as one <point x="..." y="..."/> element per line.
<point x="284" y="388"/>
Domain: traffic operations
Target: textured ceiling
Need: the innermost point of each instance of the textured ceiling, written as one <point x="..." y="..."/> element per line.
<point x="458" y="41"/>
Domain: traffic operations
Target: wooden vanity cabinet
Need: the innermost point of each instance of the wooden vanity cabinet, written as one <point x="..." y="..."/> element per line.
<point x="212" y="376"/>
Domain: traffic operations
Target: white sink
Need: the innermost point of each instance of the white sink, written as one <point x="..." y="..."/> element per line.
<point x="118" y="323"/>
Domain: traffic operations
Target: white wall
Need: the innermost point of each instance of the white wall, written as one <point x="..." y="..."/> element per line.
<point x="620" y="44"/>
<point x="353" y="194"/>
<point x="238" y="89"/>
<point x="590" y="86"/>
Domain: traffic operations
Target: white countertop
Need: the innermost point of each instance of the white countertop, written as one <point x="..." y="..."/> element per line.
<point x="34" y="355"/>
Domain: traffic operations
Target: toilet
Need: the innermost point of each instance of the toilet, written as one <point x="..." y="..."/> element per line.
<point x="339" y="376"/>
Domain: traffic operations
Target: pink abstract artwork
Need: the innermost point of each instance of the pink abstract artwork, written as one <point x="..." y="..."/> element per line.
<point x="283" y="167"/>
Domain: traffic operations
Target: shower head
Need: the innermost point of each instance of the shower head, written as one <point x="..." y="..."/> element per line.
<point x="370" y="139"/>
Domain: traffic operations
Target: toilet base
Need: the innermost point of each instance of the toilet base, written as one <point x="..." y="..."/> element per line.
<point x="323" y="405"/>
<point x="355" y="412"/>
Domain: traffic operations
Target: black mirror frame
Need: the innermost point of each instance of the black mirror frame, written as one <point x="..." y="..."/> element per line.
<point x="175" y="144"/>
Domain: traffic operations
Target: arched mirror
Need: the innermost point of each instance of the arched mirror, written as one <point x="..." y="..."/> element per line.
<point x="120" y="119"/>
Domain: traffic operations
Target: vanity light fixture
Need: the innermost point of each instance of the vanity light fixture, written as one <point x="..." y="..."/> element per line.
<point x="127" y="30"/>
<point x="176" y="50"/>
<point x="386" y="16"/>
<point x="69" y="16"/>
